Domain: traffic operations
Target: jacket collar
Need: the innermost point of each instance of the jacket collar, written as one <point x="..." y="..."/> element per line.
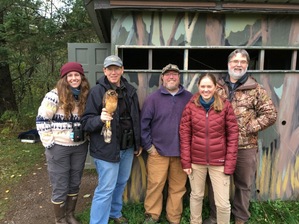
<point x="163" y="90"/>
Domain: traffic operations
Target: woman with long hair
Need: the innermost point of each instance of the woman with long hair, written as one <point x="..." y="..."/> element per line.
<point x="59" y="127"/>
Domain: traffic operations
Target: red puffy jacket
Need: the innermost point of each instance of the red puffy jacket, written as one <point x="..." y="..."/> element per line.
<point x="209" y="138"/>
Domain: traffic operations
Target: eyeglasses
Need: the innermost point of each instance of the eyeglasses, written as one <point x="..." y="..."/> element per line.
<point x="236" y="62"/>
<point x="115" y="69"/>
<point x="168" y="74"/>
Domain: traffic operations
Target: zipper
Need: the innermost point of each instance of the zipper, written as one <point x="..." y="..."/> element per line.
<point x="207" y="139"/>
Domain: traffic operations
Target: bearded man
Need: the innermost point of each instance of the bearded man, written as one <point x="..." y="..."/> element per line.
<point x="255" y="112"/>
<point x="160" y="120"/>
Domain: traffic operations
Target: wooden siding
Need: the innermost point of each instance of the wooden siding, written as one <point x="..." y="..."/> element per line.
<point x="278" y="169"/>
<point x="241" y="24"/>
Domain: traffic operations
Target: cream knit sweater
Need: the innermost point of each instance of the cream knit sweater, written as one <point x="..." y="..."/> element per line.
<point x="50" y="123"/>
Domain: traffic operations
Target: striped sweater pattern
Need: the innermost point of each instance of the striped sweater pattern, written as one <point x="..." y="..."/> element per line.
<point x="51" y="124"/>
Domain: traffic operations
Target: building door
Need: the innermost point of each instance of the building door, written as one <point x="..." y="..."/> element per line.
<point x="91" y="56"/>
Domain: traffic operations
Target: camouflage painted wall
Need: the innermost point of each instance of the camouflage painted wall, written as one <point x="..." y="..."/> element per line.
<point x="196" y="29"/>
<point x="278" y="176"/>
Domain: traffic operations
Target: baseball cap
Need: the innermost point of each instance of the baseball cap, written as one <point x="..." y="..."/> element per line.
<point x="170" y="67"/>
<point x="113" y="60"/>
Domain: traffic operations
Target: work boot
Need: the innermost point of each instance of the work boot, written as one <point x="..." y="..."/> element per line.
<point x="59" y="210"/>
<point x="149" y="220"/>
<point x="71" y="202"/>
<point x="210" y="220"/>
<point x="120" y="220"/>
<point x="239" y="221"/>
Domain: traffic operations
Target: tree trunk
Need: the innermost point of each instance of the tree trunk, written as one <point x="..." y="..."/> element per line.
<point x="7" y="96"/>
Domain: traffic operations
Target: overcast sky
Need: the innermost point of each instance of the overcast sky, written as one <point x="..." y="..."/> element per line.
<point x="46" y="9"/>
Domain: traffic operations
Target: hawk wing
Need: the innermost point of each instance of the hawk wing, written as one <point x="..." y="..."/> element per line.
<point x="110" y="100"/>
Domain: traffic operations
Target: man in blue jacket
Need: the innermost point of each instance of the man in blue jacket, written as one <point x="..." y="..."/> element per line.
<point x="113" y="160"/>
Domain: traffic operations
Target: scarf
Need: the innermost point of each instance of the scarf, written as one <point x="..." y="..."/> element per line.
<point x="76" y="92"/>
<point x="206" y="105"/>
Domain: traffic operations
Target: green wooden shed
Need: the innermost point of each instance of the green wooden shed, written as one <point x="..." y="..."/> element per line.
<point x="198" y="36"/>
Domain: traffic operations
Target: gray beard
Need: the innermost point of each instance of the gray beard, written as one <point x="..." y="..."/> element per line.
<point x="236" y="76"/>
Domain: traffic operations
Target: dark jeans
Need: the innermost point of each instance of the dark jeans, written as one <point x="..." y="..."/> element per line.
<point x="244" y="177"/>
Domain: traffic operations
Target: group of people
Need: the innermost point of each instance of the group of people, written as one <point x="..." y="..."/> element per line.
<point x="204" y="138"/>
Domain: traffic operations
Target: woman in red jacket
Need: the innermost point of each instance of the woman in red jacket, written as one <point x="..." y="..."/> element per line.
<point x="209" y="144"/>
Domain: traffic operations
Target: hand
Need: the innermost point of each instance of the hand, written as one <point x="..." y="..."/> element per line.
<point x="152" y="150"/>
<point x="138" y="153"/>
<point x="105" y="116"/>
<point x="188" y="171"/>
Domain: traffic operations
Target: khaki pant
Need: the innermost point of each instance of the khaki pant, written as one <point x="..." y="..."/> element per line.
<point x="159" y="170"/>
<point x="221" y="186"/>
<point x="243" y="179"/>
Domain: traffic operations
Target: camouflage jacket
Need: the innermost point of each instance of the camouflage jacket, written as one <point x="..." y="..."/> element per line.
<point x="253" y="108"/>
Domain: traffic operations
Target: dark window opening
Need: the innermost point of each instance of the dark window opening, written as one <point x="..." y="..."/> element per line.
<point x="208" y="59"/>
<point x="254" y="58"/>
<point x="202" y="59"/>
<point x="216" y="59"/>
<point x="163" y="57"/>
<point x="278" y="59"/>
<point x="135" y="58"/>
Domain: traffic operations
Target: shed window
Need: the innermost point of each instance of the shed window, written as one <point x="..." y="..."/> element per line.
<point x="278" y="59"/>
<point x="162" y="57"/>
<point x="135" y="58"/>
<point x="205" y="59"/>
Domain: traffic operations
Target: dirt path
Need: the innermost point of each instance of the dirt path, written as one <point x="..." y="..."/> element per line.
<point x="31" y="199"/>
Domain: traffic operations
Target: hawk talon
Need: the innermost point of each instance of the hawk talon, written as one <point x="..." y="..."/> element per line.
<point x="108" y="124"/>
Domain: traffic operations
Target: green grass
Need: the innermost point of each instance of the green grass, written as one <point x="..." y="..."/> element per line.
<point x="275" y="212"/>
<point x="268" y="212"/>
<point x="17" y="159"/>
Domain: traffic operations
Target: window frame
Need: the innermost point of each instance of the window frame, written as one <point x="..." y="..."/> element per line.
<point x="119" y="50"/>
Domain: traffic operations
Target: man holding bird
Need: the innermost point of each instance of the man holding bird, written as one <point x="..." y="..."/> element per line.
<point x="112" y="105"/>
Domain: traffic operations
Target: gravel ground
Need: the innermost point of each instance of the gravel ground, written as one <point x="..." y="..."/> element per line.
<point x="31" y="201"/>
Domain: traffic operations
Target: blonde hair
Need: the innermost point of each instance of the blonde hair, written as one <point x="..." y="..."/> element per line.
<point x="66" y="98"/>
<point x="218" y="103"/>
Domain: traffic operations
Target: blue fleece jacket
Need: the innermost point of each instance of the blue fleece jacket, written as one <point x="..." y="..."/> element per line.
<point x="160" y="119"/>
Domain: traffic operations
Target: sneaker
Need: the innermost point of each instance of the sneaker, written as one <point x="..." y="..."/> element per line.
<point x="210" y="220"/>
<point x="120" y="220"/>
<point x="149" y="220"/>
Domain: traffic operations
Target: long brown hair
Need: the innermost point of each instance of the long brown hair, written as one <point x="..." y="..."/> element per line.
<point x="66" y="98"/>
<point x="218" y="103"/>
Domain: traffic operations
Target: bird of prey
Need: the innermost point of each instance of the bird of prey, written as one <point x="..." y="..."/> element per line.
<point x="110" y="104"/>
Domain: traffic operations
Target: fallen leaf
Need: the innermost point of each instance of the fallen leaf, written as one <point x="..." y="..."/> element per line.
<point x="86" y="196"/>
